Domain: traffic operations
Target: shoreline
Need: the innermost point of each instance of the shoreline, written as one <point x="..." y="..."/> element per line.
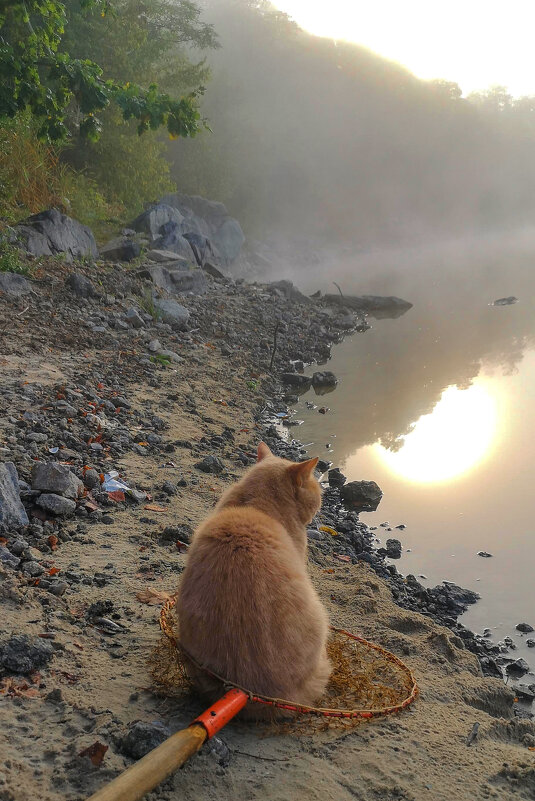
<point x="79" y="374"/>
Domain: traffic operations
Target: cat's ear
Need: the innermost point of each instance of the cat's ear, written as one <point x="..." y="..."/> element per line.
<point x="301" y="472"/>
<point x="262" y="452"/>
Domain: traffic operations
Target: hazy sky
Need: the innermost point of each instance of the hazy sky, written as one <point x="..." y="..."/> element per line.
<point x="476" y="43"/>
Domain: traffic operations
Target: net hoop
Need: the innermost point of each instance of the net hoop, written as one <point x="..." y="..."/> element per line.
<point x="281" y="703"/>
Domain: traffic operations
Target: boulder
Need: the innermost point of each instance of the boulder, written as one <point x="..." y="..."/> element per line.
<point x="286" y="289"/>
<point x="525" y="628"/>
<point x="56" y="504"/>
<point x="173" y="241"/>
<point x="122" y="248"/>
<point x="56" y="478"/>
<point x="361" y="496"/>
<point x="81" y="286"/>
<point x="14" y="284"/>
<point x="172" y="312"/>
<point x="324" y="382"/>
<point x="210" y="219"/>
<point x="168" y="258"/>
<point x="300" y="382"/>
<point x="177" y="281"/>
<point x="50" y="232"/>
<point x="393" y="548"/>
<point x="375" y="305"/>
<point x="202" y="248"/>
<point x="12" y="512"/>
<point x="517" y="668"/>
<point x="151" y="221"/>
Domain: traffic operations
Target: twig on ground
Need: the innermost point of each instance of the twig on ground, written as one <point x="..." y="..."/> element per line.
<point x="263" y="758"/>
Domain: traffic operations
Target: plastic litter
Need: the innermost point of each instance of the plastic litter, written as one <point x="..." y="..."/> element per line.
<point x="112" y="484"/>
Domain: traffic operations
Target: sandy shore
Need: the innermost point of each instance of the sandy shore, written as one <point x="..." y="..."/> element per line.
<point x="95" y="684"/>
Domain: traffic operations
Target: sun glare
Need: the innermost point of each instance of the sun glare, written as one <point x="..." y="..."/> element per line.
<point x="443" y="445"/>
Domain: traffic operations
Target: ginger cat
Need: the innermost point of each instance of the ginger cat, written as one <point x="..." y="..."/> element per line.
<point x="246" y="606"/>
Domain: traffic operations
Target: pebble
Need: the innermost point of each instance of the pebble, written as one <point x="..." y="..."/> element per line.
<point x="23" y="654"/>
<point x="142" y="738"/>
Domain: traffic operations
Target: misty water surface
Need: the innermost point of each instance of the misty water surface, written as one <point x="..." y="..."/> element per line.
<point x="461" y="372"/>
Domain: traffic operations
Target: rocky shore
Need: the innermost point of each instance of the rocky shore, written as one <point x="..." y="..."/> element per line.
<point x="127" y="406"/>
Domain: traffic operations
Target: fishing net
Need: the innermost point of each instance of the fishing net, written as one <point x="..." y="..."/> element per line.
<point x="367" y="681"/>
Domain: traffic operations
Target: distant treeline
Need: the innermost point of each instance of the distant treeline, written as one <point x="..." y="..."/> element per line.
<point x="310" y="137"/>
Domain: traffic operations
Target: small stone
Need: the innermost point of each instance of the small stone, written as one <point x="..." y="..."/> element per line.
<point x="361" y="496"/>
<point x="142" y="738"/>
<point x="59" y="588"/>
<point x="134" y="318"/>
<point x="210" y="464"/>
<point x="8" y="559"/>
<point x="484" y="554"/>
<point x="33" y="569"/>
<point x="525" y="628"/>
<point x="91" y="479"/>
<point x="81" y="286"/>
<point x="54" y="697"/>
<point x="56" y="504"/>
<point x="12" y="512"/>
<point x="393" y="548"/>
<point x="24" y="654"/>
<point x="56" y="478"/>
<point x="517" y="668"/>
<point x="336" y="478"/>
<point x="154" y="345"/>
<point x="530" y="643"/>
<point x="324" y="382"/>
<point x="314" y="534"/>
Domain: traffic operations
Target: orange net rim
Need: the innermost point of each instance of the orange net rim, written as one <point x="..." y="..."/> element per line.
<point x="281" y="703"/>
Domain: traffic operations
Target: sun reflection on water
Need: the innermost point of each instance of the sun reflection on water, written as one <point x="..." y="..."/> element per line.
<point x="445" y="444"/>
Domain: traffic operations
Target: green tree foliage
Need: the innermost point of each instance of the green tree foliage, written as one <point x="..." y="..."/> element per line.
<point x="39" y="75"/>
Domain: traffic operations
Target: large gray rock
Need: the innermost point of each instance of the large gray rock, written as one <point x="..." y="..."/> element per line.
<point x="361" y="496"/>
<point x="56" y="504"/>
<point x="153" y="219"/>
<point x="12" y="512"/>
<point x="210" y="219"/>
<point x="14" y="284"/>
<point x="173" y="240"/>
<point x="122" y="248"/>
<point x="178" y="282"/>
<point x="172" y="312"/>
<point x="376" y="305"/>
<point x="50" y="232"/>
<point x="167" y="257"/>
<point x="202" y="248"/>
<point x="56" y="478"/>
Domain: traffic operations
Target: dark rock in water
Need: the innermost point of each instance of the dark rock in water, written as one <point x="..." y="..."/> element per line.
<point x="176" y="281"/>
<point x="56" y="504"/>
<point x="56" y="478"/>
<point x="153" y="219"/>
<point x="525" y="628"/>
<point x="24" y="654"/>
<point x="142" y="738"/>
<point x="375" y="305"/>
<point x="300" y="382"/>
<point x="530" y="643"/>
<point x="336" y="478"/>
<point x="172" y="312"/>
<point x="517" y="668"/>
<point x="12" y="512"/>
<point x="490" y="667"/>
<point x="361" y="496"/>
<point x="505" y="301"/>
<point x="323" y="465"/>
<point x="81" y="286"/>
<point x="286" y="289"/>
<point x="484" y="554"/>
<point x="393" y="548"/>
<point x="120" y="249"/>
<point x="14" y="284"/>
<point x="457" y="598"/>
<point x="324" y="382"/>
<point x="210" y="464"/>
<point x="50" y="232"/>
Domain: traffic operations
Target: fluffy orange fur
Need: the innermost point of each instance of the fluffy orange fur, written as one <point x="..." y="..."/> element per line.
<point x="246" y="606"/>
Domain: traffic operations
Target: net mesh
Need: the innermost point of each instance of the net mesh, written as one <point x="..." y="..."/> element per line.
<point x="366" y="682"/>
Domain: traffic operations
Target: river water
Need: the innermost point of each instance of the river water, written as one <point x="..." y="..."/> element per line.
<point x="438" y="407"/>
